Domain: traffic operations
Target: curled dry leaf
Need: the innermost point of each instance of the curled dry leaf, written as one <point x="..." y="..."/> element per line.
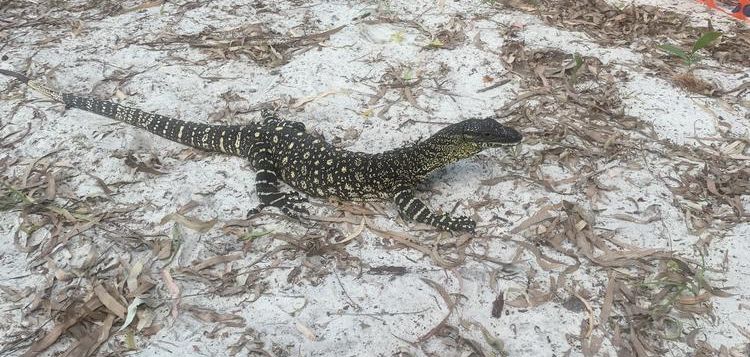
<point x="541" y="215"/>
<point x="590" y="312"/>
<point x="192" y="223"/>
<point x="356" y="232"/>
<point x="164" y="247"/>
<point x="132" y="309"/>
<point x="174" y="291"/>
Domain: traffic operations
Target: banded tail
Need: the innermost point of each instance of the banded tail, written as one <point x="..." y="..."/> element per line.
<point x="231" y="139"/>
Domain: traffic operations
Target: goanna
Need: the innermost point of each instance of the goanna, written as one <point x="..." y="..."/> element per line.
<point x="282" y="150"/>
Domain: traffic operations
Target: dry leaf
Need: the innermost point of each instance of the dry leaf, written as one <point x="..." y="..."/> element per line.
<point x="174" y="291"/>
<point x="208" y="315"/>
<point x="192" y="223"/>
<point x="306" y="331"/>
<point x="132" y="309"/>
<point x="217" y="260"/>
<point x="109" y="301"/>
<point x="135" y="271"/>
<point x="497" y="306"/>
<point x="55" y="333"/>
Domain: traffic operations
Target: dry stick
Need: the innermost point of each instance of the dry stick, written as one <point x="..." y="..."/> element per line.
<point x="343" y="288"/>
<point x="451" y="305"/>
<point x="498" y="84"/>
<point x="506" y="109"/>
<point x="17" y="140"/>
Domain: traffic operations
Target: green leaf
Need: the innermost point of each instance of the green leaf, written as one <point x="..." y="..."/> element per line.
<point x="675" y="51"/>
<point x="436" y="43"/>
<point x="705" y="40"/>
<point x="397" y="37"/>
<point x="579" y="60"/>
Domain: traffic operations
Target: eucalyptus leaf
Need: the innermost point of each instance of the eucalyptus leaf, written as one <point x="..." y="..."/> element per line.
<point x="132" y="309"/>
<point x="578" y="63"/>
<point x="705" y="40"/>
<point x="674" y="50"/>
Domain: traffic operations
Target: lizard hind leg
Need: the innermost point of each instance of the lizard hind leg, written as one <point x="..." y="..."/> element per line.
<point x="412" y="208"/>
<point x="267" y="188"/>
<point x="288" y="202"/>
<point x="269" y="116"/>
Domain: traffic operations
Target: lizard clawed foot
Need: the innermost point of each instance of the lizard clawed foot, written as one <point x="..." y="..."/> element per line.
<point x="287" y="202"/>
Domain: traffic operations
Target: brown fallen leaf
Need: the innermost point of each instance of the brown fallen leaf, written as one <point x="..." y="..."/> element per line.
<point x="608" y="302"/>
<point x="590" y="313"/>
<point x="216" y="260"/>
<point x="208" y="315"/>
<point x="109" y="301"/>
<point x="192" y="223"/>
<point x="89" y="343"/>
<point x="535" y="297"/>
<point x="132" y="280"/>
<point x="497" y="306"/>
<point x="143" y="6"/>
<point x="41" y="345"/>
<point x="302" y="101"/>
<point x="541" y="215"/>
<point x="387" y="270"/>
<point x="174" y="291"/>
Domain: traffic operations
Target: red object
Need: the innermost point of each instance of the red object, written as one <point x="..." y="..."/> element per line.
<point x="741" y="11"/>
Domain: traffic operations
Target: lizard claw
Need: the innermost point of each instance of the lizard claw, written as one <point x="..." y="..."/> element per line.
<point x="294" y="210"/>
<point x="287" y="202"/>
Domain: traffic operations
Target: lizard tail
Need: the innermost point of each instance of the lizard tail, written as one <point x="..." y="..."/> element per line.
<point x="17" y="75"/>
<point x="37" y="86"/>
<point x="231" y="139"/>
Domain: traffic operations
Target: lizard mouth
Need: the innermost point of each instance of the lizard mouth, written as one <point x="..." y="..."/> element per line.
<point x="503" y="137"/>
<point x="500" y="144"/>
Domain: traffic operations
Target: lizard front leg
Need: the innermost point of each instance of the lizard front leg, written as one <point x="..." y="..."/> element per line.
<point x="270" y="117"/>
<point x="415" y="209"/>
<point x="267" y="187"/>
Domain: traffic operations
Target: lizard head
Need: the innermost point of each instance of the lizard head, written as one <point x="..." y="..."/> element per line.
<point x="483" y="133"/>
<point x="453" y="143"/>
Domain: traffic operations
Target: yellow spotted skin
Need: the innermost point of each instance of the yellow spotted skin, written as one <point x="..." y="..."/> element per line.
<point x="283" y="150"/>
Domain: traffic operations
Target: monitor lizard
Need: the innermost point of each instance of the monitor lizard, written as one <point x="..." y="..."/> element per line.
<point x="282" y="150"/>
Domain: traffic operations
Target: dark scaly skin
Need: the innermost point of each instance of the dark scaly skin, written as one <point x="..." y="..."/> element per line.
<point x="283" y="150"/>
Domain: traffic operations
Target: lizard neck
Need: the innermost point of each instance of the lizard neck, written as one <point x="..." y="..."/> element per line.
<point x="419" y="160"/>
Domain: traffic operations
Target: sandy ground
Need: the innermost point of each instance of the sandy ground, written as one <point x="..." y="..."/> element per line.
<point x="212" y="282"/>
